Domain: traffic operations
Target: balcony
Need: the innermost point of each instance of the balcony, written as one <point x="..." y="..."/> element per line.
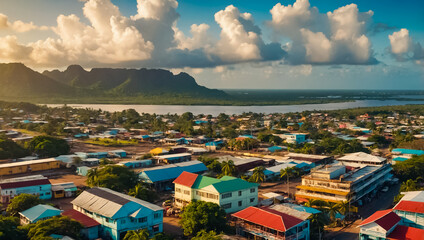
<point x="264" y="234"/>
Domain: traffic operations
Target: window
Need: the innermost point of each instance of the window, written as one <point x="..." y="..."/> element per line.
<point x="142" y="220"/>
<point x="186" y="192"/>
<point x="227" y="195"/>
<point x="240" y="193"/>
<point x="155" y="228"/>
<point x="240" y="203"/>
<point x="108" y="220"/>
<point x="252" y="200"/>
<point x="157" y="215"/>
<point x="226" y="206"/>
<point x="178" y="190"/>
<point x="252" y="190"/>
<point x="47" y="193"/>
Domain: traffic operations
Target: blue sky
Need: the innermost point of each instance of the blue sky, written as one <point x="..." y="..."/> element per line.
<point x="337" y="46"/>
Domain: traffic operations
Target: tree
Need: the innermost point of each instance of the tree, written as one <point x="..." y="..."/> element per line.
<point x="142" y="192"/>
<point x="228" y="168"/>
<point x="10" y="149"/>
<point x="333" y="209"/>
<point x="61" y="225"/>
<point x="118" y="178"/>
<point x="162" y="236"/>
<point x="318" y="221"/>
<point x="9" y="229"/>
<point x="22" y="202"/>
<point x="46" y="146"/>
<point x="92" y="176"/>
<point x="142" y="234"/>
<point x="258" y="174"/>
<point x="200" y="215"/>
<point x="410" y="169"/>
<point x="287" y="172"/>
<point x="203" y="235"/>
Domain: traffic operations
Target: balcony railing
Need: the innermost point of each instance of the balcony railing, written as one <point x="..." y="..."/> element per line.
<point x="259" y="232"/>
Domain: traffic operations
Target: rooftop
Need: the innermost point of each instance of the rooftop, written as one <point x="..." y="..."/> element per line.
<point x="83" y="219"/>
<point x="40" y="211"/>
<point x="410" y="206"/>
<point x="362" y="157"/>
<point x="27" y="181"/>
<point x="385" y="219"/>
<point x="406" y="233"/>
<point x="17" y="164"/>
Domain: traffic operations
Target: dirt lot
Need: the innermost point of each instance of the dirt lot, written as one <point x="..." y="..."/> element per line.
<point x="78" y="180"/>
<point x="280" y="187"/>
<point x="141" y="148"/>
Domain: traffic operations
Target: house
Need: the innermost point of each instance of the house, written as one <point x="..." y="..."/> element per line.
<point x="411" y="209"/>
<point x="173" y="158"/>
<point x="293" y="138"/>
<point x="35" y="184"/>
<point x="118" y="213"/>
<point x="83" y="170"/>
<point x="61" y="190"/>
<point x="137" y="163"/>
<point x="360" y="159"/>
<point x="37" y="213"/>
<point x="386" y="224"/>
<point x="274" y="171"/>
<point x="267" y="223"/>
<point x="333" y="183"/>
<point x="315" y="159"/>
<point x="161" y="177"/>
<point x="90" y="226"/>
<point x="232" y="194"/>
<point x="243" y="164"/>
<point x="28" y="166"/>
<point x="118" y="153"/>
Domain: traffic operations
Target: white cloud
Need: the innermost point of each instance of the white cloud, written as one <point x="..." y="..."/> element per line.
<point x="337" y="37"/>
<point x="403" y="47"/>
<point x="19" y="26"/>
<point x="200" y="38"/>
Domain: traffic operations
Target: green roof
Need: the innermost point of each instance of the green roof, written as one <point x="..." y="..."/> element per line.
<point x="225" y="184"/>
<point x="203" y="181"/>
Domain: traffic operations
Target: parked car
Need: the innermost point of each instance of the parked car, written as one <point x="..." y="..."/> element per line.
<point x="385" y="189"/>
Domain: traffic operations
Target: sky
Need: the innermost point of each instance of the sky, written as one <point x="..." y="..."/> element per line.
<point x="226" y="44"/>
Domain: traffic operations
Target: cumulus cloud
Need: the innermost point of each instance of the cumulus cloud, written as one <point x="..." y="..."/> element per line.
<point x="18" y="26"/>
<point x="404" y="48"/>
<point x="338" y="37"/>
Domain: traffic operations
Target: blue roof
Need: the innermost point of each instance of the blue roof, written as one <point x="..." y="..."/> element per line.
<point x="274" y="148"/>
<point x="172" y="171"/>
<point x="408" y="151"/>
<point x="400" y="159"/>
<point x="40" y="211"/>
<point x="305" y="209"/>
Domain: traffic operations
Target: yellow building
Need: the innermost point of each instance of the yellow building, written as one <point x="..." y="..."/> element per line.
<point x="28" y="166"/>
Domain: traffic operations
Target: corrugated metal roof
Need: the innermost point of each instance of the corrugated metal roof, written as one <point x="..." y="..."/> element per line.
<point x="172" y="171"/>
<point x="24" y="163"/>
<point x="27" y="181"/>
<point x="85" y="220"/>
<point x="404" y="232"/>
<point x="107" y="202"/>
<point x="385" y="219"/>
<point x="40" y="211"/>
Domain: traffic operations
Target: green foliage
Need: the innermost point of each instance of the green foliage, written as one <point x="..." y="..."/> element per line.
<point x="333" y="145"/>
<point x="9" y="229"/>
<point x="46" y="146"/>
<point x="142" y="234"/>
<point x="10" y="149"/>
<point x="162" y="236"/>
<point x="245" y="144"/>
<point x="142" y="192"/>
<point x="108" y="142"/>
<point x="211" y="163"/>
<point x="114" y="177"/>
<point x="22" y="202"/>
<point x="258" y="175"/>
<point x="61" y="225"/>
<point x="203" y="235"/>
<point x="410" y="169"/>
<point x="199" y="215"/>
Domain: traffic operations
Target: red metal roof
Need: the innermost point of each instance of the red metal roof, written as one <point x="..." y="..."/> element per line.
<point x="186" y="179"/>
<point x="410" y="206"/>
<point x="386" y="219"/>
<point x="85" y="220"/>
<point x="268" y="218"/>
<point x="28" y="183"/>
<point x="406" y="233"/>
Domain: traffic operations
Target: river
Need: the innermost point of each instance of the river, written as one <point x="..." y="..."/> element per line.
<point x="215" y="110"/>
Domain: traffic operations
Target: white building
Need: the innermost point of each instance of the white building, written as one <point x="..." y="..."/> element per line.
<point x="361" y="159"/>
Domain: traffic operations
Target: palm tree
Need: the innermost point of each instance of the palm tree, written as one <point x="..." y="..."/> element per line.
<point x="258" y="174"/>
<point x="92" y="176"/>
<point x="228" y="168"/>
<point x="287" y="172"/>
<point x="332" y="209"/>
<point x="141" y="234"/>
<point x="310" y="203"/>
<point x="409" y="185"/>
<point x="318" y="221"/>
<point x="297" y="171"/>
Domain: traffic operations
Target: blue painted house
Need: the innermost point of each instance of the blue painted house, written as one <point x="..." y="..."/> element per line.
<point x="118" y="213"/>
<point x="119" y="153"/>
<point x="35" y="184"/>
<point x="137" y="163"/>
<point x="37" y="213"/>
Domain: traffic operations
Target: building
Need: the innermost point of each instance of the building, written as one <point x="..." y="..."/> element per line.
<point x="360" y="159"/>
<point x="315" y="159"/>
<point x="173" y="158"/>
<point x="386" y="224"/>
<point x="332" y="182"/>
<point x="161" y="177"/>
<point x="35" y="184"/>
<point x="90" y="226"/>
<point x="28" y="166"/>
<point x="411" y="209"/>
<point x="137" y="163"/>
<point x="232" y="194"/>
<point x="274" y="171"/>
<point x="118" y="153"/>
<point x="61" y="190"/>
<point x="267" y="223"/>
<point x="37" y="213"/>
<point x="243" y="164"/>
<point x="294" y="138"/>
<point x="118" y="213"/>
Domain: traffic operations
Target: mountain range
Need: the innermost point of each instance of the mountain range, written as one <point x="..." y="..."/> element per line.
<point x="17" y="80"/>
